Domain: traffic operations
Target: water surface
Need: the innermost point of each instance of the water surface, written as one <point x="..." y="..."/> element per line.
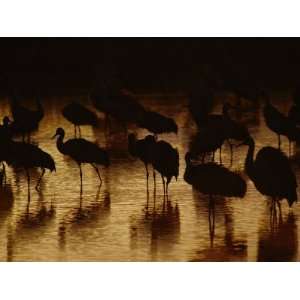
<point x="121" y="222"/>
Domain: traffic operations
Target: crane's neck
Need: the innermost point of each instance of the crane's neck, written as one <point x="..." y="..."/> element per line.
<point x="60" y="143"/>
<point x="249" y="164"/>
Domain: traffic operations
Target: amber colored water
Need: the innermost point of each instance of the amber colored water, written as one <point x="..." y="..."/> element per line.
<point x="120" y="221"/>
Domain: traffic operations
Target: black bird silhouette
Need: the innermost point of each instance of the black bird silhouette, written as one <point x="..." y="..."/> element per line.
<point x="25" y="120"/>
<point x="233" y="129"/>
<point x="143" y="149"/>
<point x="207" y="141"/>
<point x="119" y="104"/>
<point x="214" y="180"/>
<point x="294" y="114"/>
<point x="82" y="151"/>
<point x="280" y="124"/>
<point x="157" y="123"/>
<point x="27" y="156"/>
<point x="166" y="161"/>
<point x="79" y="115"/>
<point x="271" y="173"/>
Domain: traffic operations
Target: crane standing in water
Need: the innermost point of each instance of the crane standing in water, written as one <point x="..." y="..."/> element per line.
<point x="82" y="151"/>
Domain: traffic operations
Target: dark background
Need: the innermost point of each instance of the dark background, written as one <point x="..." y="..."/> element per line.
<point x="65" y="65"/>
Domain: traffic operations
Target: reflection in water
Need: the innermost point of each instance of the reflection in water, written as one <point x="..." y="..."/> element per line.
<point x="118" y="223"/>
<point x="279" y="242"/>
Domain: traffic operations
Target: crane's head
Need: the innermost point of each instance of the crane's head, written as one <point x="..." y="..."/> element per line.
<point x="59" y="132"/>
<point x="6" y="121"/>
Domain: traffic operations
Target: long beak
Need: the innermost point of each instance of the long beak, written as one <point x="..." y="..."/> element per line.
<point x="54" y="136"/>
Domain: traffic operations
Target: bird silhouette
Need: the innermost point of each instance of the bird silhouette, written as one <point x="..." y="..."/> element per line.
<point x="119" y="104"/>
<point x="27" y="156"/>
<point x="143" y="149"/>
<point x="206" y="141"/>
<point x="165" y="160"/>
<point x="233" y="129"/>
<point x="271" y="173"/>
<point x="213" y="180"/>
<point x="82" y="151"/>
<point x="157" y="123"/>
<point x="79" y="115"/>
<point x="25" y="120"/>
<point x="280" y="124"/>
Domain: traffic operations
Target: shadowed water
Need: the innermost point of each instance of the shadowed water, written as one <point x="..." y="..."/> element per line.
<point x="120" y="221"/>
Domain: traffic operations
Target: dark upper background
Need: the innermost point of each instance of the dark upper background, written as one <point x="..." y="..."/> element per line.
<point x="70" y="65"/>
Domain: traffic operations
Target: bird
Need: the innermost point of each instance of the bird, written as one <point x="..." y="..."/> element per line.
<point x="25" y="120"/>
<point x="280" y="124"/>
<point x="82" y="151"/>
<point x="233" y="129"/>
<point x="79" y="115"/>
<point x="165" y="160"/>
<point x="294" y="114"/>
<point x="142" y="148"/>
<point x="157" y="123"/>
<point x="206" y="141"/>
<point x="27" y="156"/>
<point x="271" y="173"/>
<point x="120" y="104"/>
<point x="213" y="180"/>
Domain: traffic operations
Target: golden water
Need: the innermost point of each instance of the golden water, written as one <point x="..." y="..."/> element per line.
<point x="119" y="222"/>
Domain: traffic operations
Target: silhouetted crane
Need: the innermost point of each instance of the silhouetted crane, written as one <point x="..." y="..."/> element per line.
<point x="25" y="120"/>
<point x="207" y="140"/>
<point x="79" y="115"/>
<point x="166" y="161"/>
<point x="27" y="156"/>
<point x="213" y="180"/>
<point x="294" y="114"/>
<point x="157" y="123"/>
<point x="280" y="124"/>
<point x="271" y="173"/>
<point x="82" y="151"/>
<point x="143" y="149"/>
<point x="118" y="104"/>
<point x="233" y="129"/>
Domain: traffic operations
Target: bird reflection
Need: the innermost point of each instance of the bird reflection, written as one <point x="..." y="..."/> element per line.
<point x="280" y="242"/>
<point x="88" y="214"/>
<point x="159" y="225"/>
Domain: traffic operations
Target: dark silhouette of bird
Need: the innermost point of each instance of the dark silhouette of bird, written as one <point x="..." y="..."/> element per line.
<point x="233" y="130"/>
<point x="271" y="173"/>
<point x="119" y="104"/>
<point x="79" y="115"/>
<point x="142" y="148"/>
<point x="82" y="151"/>
<point x="294" y="114"/>
<point x="165" y="160"/>
<point x="214" y="180"/>
<point x="27" y="156"/>
<point x="25" y="120"/>
<point x="157" y="123"/>
<point x="206" y="141"/>
<point x="280" y="124"/>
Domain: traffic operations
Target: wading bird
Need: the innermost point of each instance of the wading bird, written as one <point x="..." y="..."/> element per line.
<point x="271" y="174"/>
<point x="82" y="151"/>
<point x="79" y="115"/>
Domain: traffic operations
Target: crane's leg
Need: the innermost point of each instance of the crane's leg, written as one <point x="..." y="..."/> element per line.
<point x="75" y="131"/>
<point x="80" y="172"/>
<point x="213" y="156"/>
<point x="211" y="219"/>
<point x="40" y="179"/>
<point x="147" y="176"/>
<point x="28" y="184"/>
<point x="279" y="141"/>
<point x="163" y="181"/>
<point x="154" y="179"/>
<point x="231" y="152"/>
<point x="79" y="131"/>
<point x="221" y="155"/>
<point x="98" y="173"/>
